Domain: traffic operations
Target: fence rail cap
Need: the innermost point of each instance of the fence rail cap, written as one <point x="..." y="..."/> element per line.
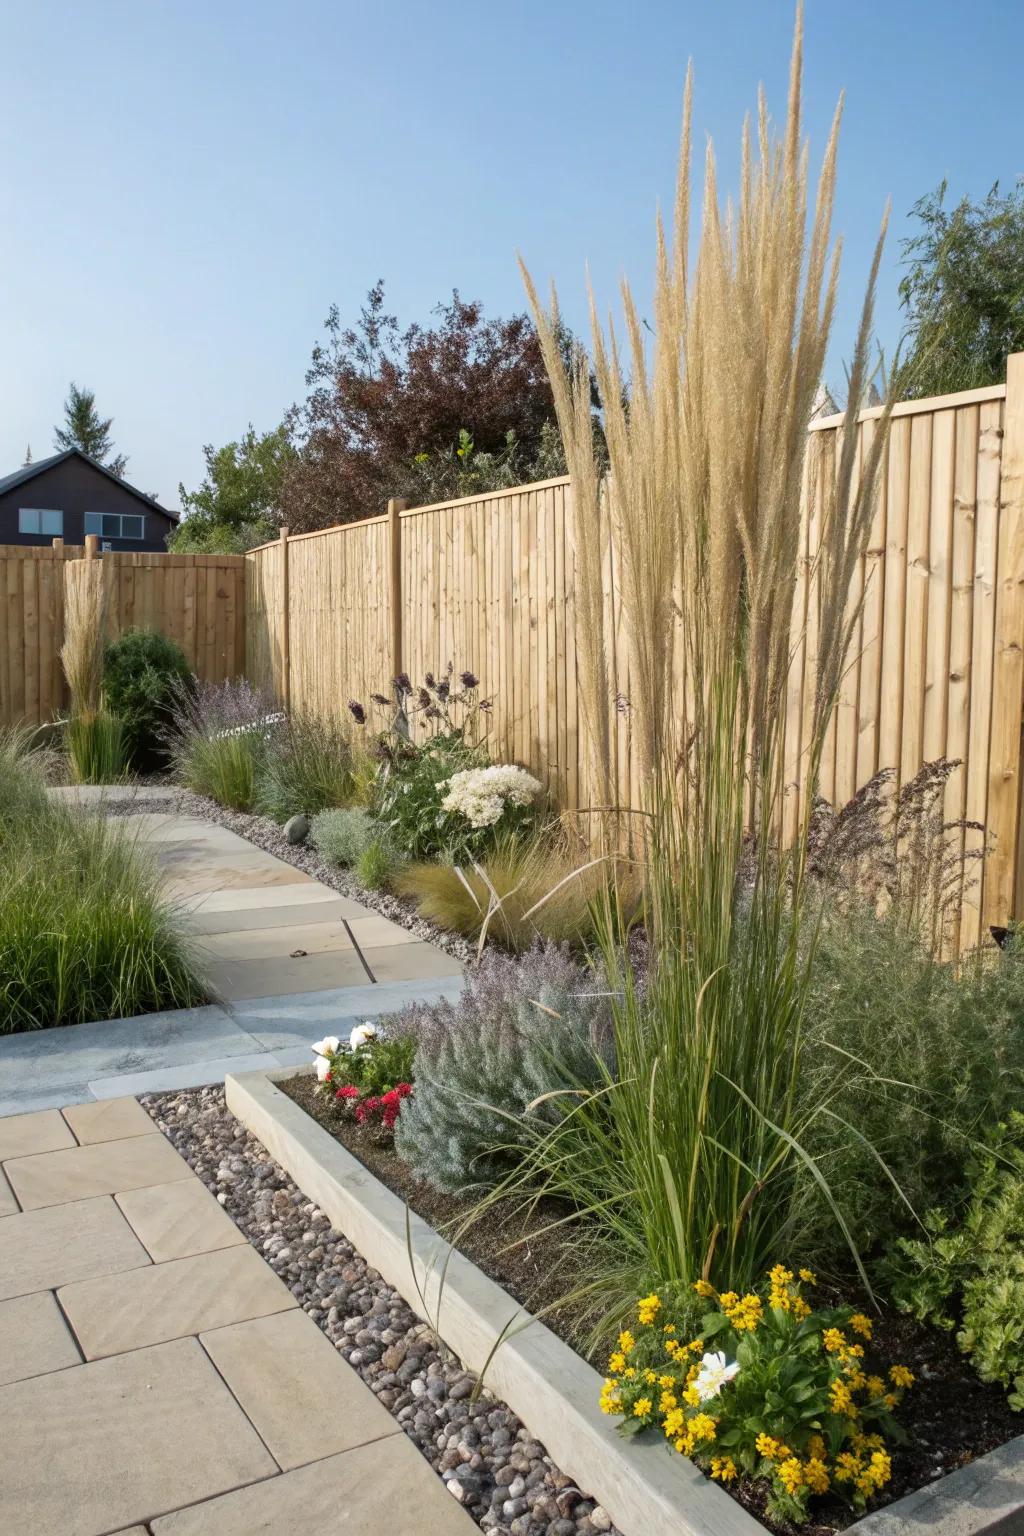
<point x="913" y="407"/>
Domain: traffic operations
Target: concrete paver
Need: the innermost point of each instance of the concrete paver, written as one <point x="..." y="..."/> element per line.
<point x="44" y="1131"/>
<point x="103" y="1445"/>
<point x="240" y="979"/>
<point x="169" y="1300"/>
<point x="382" y="1488"/>
<point x="106" y="1168"/>
<point x="111" y="1120"/>
<point x="8" y="1204"/>
<point x="203" y="921"/>
<point x="285" y="1373"/>
<point x="315" y="937"/>
<point x="34" y="1338"/>
<point x="42" y="1249"/>
<point x="175" y="1221"/>
<point x="408" y="962"/>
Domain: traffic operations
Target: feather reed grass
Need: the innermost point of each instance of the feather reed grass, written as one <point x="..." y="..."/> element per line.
<point x="95" y="739"/>
<point x="689" y="1156"/>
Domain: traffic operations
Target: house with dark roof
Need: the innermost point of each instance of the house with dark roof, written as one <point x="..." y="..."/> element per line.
<point x="70" y="495"/>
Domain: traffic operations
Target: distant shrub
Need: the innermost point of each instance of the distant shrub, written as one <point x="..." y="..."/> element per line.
<point x="218" y="739"/>
<point x="521" y="1029"/>
<point x="341" y="836"/>
<point x="308" y="769"/>
<point x="140" y="669"/>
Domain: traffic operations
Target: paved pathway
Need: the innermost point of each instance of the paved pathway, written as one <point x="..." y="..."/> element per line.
<point x="156" y="1375"/>
<point x="288" y="958"/>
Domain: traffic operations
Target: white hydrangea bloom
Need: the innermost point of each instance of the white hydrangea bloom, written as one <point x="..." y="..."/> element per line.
<point x="361" y="1034"/>
<point x="481" y="794"/>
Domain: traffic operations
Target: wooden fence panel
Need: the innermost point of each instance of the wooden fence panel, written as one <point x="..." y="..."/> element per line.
<point x="197" y="600"/>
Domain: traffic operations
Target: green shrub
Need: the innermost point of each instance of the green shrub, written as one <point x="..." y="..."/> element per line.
<point x="521" y="891"/>
<point x="341" y="836"/>
<point x="85" y="932"/>
<point x="308" y="769"/>
<point x="140" y="670"/>
<point x="377" y="865"/>
<point x="96" y="748"/>
<point x="408" y="798"/>
<point x="520" y="1030"/>
<point x="972" y="1269"/>
<point x="913" y="1058"/>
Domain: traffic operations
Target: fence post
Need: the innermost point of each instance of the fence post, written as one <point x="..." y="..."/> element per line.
<point x="92" y="545"/>
<point x="286" y="665"/>
<point x="396" y="505"/>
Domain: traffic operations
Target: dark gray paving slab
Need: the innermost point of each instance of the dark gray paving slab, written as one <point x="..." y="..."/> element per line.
<point x="284" y="1023"/>
<point x="193" y="1074"/>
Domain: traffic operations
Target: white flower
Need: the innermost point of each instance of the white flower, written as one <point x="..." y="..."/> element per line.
<point x="328" y="1046"/>
<point x="481" y="794"/>
<point x="323" y="1069"/>
<point x="715" y="1371"/>
<point x="361" y="1034"/>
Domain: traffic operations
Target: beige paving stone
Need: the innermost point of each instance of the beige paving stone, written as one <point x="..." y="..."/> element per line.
<point x="301" y="1395"/>
<point x="410" y="962"/>
<point x="167" y="1301"/>
<point x="109" y="1120"/>
<point x="175" y="1221"/>
<point x="236" y="979"/>
<point x="98" y="1447"/>
<point x="252" y="898"/>
<point x="385" y="1489"/>
<point x="314" y="937"/>
<point x="8" y="1204"/>
<point x="40" y="1250"/>
<point x="44" y="1131"/>
<point x="34" y="1338"/>
<point x="372" y="930"/>
<point x="51" y="1178"/>
<point x="283" y="915"/>
<point x="208" y="876"/>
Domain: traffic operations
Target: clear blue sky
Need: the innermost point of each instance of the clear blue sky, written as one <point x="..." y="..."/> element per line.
<point x="191" y="183"/>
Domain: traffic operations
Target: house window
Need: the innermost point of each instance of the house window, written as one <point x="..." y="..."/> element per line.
<point x="116" y="525"/>
<point x="41" y="520"/>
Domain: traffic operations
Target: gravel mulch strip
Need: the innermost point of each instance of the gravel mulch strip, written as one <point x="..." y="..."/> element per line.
<point x="266" y="834"/>
<point x="487" y="1458"/>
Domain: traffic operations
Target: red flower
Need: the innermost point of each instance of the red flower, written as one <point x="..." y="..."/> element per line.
<point x="350" y="1091"/>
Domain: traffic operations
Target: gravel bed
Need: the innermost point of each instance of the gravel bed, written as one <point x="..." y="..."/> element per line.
<point x="266" y="834"/>
<point x="487" y="1458"/>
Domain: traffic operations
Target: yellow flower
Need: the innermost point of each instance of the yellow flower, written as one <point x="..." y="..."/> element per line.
<point x="874" y="1386"/>
<point x="674" y="1422"/>
<point x="833" y="1341"/>
<point x="816" y="1475"/>
<point x="668" y="1402"/>
<point x="890" y="1400"/>
<point x="626" y="1341"/>
<point x="617" y="1362"/>
<point x="881" y="1468"/>
<point x="668" y="1382"/>
<point x="848" y="1467"/>
<point x="857" y="1381"/>
<point x="642" y="1407"/>
<point x="767" y="1447"/>
<point x="801" y="1309"/>
<point x="808" y="1277"/>
<point x="703" y="1288"/>
<point x="610" y="1400"/>
<point x="723" y="1468"/>
<point x="842" y="1402"/>
<point x="745" y="1312"/>
<point x="648" y="1308"/>
<point x="790" y="1474"/>
<point x="727" y="1300"/>
<point x="696" y="1346"/>
<point x="900" y="1376"/>
<point x="861" y="1324"/>
<point x="669" y="1328"/>
<point x="629" y="1373"/>
<point x="780" y="1275"/>
<point x="816" y="1448"/>
<point x="691" y="1396"/>
<point x="703" y="1426"/>
<point x="650" y="1377"/>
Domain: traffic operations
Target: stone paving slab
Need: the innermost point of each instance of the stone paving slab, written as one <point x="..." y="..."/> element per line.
<point x="280" y="1023"/>
<point x="207" y="874"/>
<point x="410" y="962"/>
<point x="8" y="1205"/>
<point x="175" y="1221"/>
<point x="261" y="897"/>
<point x="113" y="1120"/>
<point x="372" y="929"/>
<point x="107" y="1168"/>
<point x="385" y="1489"/>
<point x="203" y="921"/>
<point x="237" y="980"/>
<point x="21" y="1135"/>
<point x="305" y="1401"/>
<point x="194" y="1074"/>
<point x="40" y="1250"/>
<point x="34" y="1338"/>
<point x="167" y="1301"/>
<point x="315" y="937"/>
<point x="91" y="1449"/>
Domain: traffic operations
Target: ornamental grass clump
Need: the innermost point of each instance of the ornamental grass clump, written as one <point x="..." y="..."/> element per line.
<point x="688" y="1159"/>
<point x="309" y="769"/>
<point x="219" y="737"/>
<point x="96" y="743"/>
<point x="763" y="1385"/>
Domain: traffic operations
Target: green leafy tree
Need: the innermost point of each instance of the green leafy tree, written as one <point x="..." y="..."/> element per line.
<point x="237" y="505"/>
<point x="963" y="292"/>
<point x="86" y="429"/>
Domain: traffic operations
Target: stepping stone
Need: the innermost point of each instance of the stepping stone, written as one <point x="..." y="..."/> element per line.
<point x="44" y="1131"/>
<point x="52" y="1178"/>
<point x="176" y="1221"/>
<point x="40" y="1250"/>
<point x="168" y="1301"/>
<point x="315" y="937"/>
<point x="331" y="909"/>
<point x="304" y="1399"/>
<point x="385" y="1489"/>
<point x="305" y="892"/>
<point x="8" y="1205"/>
<point x="410" y="962"/>
<point x="111" y="1120"/>
<point x="98" y="1447"/>
<point x="34" y="1338"/>
<point x="272" y="977"/>
<point x="371" y="930"/>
